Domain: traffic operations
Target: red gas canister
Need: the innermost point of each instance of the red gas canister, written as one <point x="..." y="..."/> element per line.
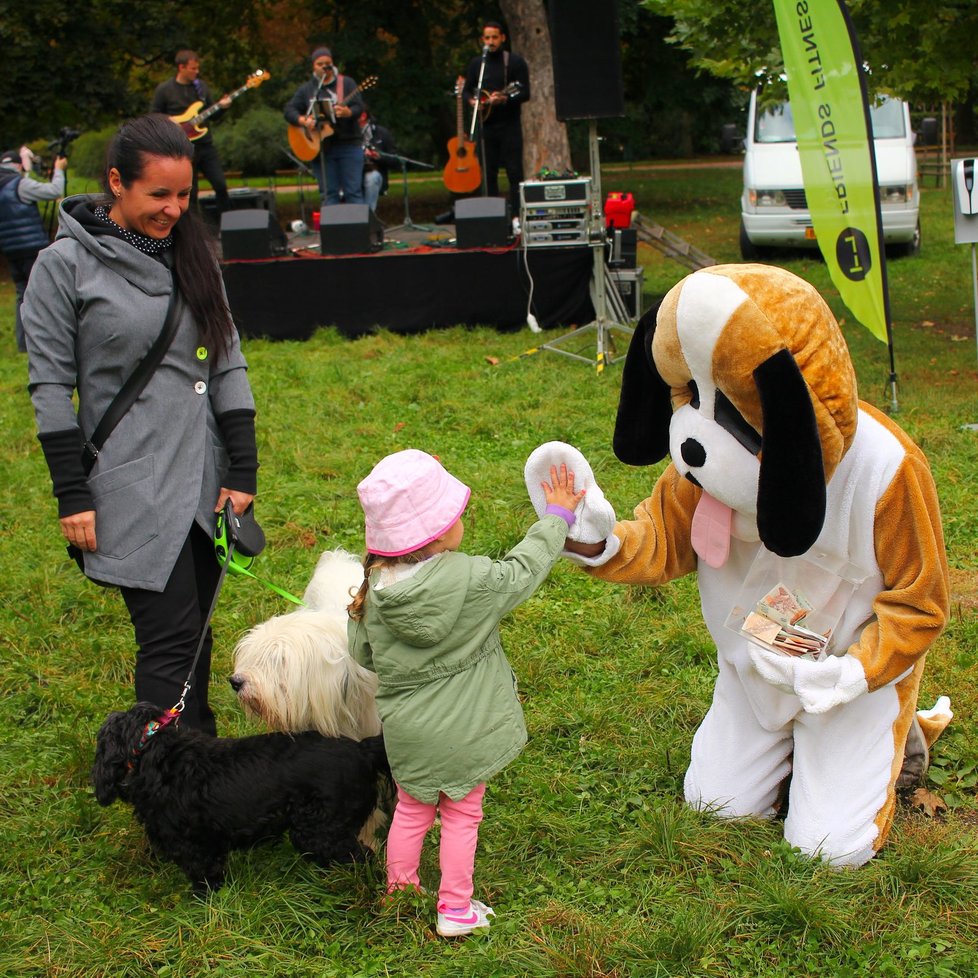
<point x="618" y="207"/>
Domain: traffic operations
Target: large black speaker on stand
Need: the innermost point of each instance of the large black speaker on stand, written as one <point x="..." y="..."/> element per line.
<point x="586" y="44"/>
<point x="349" y="229"/>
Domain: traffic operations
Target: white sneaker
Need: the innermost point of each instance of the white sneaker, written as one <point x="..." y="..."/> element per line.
<point x="459" y="923"/>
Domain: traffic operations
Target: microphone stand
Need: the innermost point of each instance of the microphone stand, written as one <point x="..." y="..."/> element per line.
<point x="476" y="117"/>
<point x="408" y="224"/>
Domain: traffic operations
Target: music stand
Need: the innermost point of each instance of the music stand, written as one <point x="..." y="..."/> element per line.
<point x="604" y="292"/>
<point x="408" y="224"/>
<point x="301" y="168"/>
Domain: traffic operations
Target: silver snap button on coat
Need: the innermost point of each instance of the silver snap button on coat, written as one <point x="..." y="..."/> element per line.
<point x="200" y="387"/>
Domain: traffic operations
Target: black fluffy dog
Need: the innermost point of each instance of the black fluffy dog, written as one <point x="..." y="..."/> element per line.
<point x="198" y="797"/>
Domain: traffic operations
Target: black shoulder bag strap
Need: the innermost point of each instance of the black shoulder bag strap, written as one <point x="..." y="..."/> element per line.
<point x="134" y="385"/>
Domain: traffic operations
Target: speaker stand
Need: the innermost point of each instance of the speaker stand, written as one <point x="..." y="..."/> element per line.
<point x="604" y="293"/>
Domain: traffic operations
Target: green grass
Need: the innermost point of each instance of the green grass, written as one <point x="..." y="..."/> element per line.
<point x="588" y="855"/>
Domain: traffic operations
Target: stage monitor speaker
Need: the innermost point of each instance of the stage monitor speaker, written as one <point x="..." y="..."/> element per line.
<point x="239" y="198"/>
<point x="586" y="45"/>
<point x="482" y="222"/>
<point x="247" y="233"/>
<point x="349" y="229"/>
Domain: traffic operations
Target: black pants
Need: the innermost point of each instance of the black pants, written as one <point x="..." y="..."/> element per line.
<point x="168" y="624"/>
<point x="20" y="265"/>
<point x="207" y="161"/>
<point x="504" y="148"/>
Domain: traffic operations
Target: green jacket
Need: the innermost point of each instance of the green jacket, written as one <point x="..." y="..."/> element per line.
<point x="447" y="696"/>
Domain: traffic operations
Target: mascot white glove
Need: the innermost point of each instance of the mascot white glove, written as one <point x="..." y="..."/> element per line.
<point x="595" y="515"/>
<point x="820" y="686"/>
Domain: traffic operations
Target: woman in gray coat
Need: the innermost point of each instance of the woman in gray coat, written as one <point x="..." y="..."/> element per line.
<point x="143" y="517"/>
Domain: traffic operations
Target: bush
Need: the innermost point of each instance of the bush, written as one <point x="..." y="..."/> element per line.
<point x="86" y="155"/>
<point x="254" y="143"/>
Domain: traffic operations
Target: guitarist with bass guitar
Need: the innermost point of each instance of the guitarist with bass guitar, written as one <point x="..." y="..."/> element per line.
<point x="173" y="98"/>
<point x="497" y="83"/>
<point x="328" y="108"/>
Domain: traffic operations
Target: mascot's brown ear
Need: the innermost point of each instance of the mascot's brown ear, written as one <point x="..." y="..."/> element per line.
<point x="791" y="489"/>
<point x="644" y="408"/>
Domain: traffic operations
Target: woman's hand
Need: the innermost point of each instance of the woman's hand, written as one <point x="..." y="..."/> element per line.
<point x="79" y="529"/>
<point x="240" y="501"/>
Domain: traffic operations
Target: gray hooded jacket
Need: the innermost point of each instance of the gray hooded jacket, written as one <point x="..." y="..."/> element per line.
<point x="93" y="308"/>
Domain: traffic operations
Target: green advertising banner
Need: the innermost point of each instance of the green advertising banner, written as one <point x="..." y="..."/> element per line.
<point x="831" y="115"/>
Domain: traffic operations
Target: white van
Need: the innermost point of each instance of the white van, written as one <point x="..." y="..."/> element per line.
<point x="774" y="211"/>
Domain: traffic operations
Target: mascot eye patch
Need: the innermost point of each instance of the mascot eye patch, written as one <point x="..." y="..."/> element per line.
<point x="733" y="422"/>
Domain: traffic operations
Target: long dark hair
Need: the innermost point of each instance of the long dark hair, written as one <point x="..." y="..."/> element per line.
<point x="194" y="264"/>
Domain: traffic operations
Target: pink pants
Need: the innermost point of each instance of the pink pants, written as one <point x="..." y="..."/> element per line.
<point x="459" y="838"/>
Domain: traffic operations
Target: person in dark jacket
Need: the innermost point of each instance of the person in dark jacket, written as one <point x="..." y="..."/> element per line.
<point x="331" y="101"/>
<point x="174" y="98"/>
<point x="22" y="232"/>
<point x="144" y="516"/>
<point x="505" y="87"/>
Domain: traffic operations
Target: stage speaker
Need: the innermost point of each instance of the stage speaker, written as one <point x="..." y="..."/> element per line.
<point x="239" y="198"/>
<point x="349" y="229"/>
<point x="586" y="45"/>
<point x="247" y="233"/>
<point x="482" y="222"/>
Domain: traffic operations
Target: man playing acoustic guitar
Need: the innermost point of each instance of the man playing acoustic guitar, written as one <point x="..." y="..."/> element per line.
<point x="327" y="108"/>
<point x="505" y="87"/>
<point x="173" y="98"/>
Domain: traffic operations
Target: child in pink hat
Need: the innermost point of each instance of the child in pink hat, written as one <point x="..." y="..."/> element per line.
<point x="426" y="621"/>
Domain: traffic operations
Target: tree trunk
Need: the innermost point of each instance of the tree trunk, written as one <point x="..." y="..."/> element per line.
<point x="544" y="138"/>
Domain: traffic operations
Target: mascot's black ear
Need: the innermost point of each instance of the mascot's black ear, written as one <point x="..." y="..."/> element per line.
<point x="644" y="408"/>
<point x="791" y="489"/>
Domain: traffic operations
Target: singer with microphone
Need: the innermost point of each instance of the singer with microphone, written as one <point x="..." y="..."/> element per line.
<point x="497" y="83"/>
<point x="329" y="104"/>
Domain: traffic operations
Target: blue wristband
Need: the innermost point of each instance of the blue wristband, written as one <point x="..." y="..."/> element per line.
<point x="565" y="514"/>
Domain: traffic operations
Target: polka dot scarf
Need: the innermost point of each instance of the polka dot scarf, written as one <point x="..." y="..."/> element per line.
<point x="149" y="246"/>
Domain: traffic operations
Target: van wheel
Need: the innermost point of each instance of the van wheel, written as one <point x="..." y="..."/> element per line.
<point x="909" y="249"/>
<point x="748" y="250"/>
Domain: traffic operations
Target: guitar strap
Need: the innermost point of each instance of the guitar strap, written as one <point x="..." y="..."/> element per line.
<point x="505" y="68"/>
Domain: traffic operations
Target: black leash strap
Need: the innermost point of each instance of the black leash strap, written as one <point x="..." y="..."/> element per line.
<point x="134" y="385"/>
<point x="231" y="540"/>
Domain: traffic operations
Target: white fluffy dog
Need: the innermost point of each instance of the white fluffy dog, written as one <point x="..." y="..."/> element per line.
<point x="294" y="671"/>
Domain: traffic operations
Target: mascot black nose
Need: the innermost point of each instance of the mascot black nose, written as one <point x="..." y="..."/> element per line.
<point x="236" y="683"/>
<point x="693" y="453"/>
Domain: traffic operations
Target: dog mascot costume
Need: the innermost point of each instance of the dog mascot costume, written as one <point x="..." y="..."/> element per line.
<point x="779" y="472"/>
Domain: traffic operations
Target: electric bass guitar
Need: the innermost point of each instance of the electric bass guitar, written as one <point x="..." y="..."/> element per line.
<point x="485" y="106"/>
<point x="191" y="120"/>
<point x="306" y="143"/>
<point x="462" y="173"/>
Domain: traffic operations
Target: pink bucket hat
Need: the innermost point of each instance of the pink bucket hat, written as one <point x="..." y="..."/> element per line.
<point x="409" y="500"/>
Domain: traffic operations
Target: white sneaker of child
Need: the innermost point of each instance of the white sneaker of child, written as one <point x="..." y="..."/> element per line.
<point x="461" y="921"/>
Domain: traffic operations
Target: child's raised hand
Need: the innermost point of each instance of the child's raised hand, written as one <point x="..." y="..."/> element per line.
<point x="560" y="490"/>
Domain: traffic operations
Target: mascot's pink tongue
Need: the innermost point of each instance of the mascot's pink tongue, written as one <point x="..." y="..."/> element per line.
<point x="710" y="531"/>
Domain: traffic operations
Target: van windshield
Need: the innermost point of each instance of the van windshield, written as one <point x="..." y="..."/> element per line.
<point x="776" y="125"/>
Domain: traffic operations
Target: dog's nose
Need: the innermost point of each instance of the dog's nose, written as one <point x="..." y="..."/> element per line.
<point x="693" y="453"/>
<point x="236" y="683"/>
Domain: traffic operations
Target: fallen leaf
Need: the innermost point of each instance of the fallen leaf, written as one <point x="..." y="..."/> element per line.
<point x="399" y="426"/>
<point x="926" y="322"/>
<point x="929" y="803"/>
<point x="494" y="361"/>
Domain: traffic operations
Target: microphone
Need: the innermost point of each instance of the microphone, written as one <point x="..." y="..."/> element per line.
<point x="485" y="50"/>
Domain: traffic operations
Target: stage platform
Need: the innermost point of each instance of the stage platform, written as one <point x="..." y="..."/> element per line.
<point x="418" y="281"/>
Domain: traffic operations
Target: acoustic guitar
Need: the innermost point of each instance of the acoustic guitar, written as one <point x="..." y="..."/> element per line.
<point x="306" y="143"/>
<point x="462" y="173"/>
<point x="191" y="120"/>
